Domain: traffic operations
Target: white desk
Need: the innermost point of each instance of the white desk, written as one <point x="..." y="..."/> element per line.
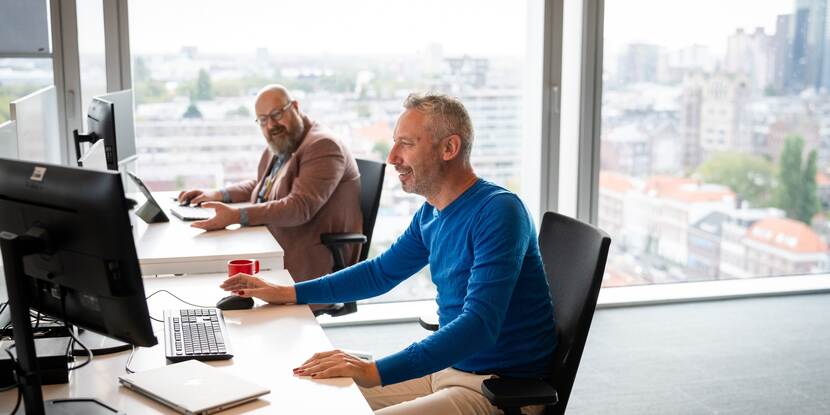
<point x="267" y="342"/>
<point x="176" y="248"/>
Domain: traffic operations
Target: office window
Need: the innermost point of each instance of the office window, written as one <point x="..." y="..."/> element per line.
<point x="715" y="139"/>
<point x="20" y="77"/>
<point x="198" y="65"/>
<point x="91" y="51"/>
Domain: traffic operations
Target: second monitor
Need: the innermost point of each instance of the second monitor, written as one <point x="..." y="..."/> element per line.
<point x="110" y="118"/>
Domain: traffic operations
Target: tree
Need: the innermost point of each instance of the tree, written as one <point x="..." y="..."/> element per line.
<point x="751" y="177"/>
<point x="150" y="91"/>
<point x="811" y="203"/>
<point x="796" y="191"/>
<point x="192" y="111"/>
<point x="204" y="88"/>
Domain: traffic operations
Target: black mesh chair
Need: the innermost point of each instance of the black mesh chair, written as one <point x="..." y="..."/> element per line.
<point x="371" y="184"/>
<point x="574" y="255"/>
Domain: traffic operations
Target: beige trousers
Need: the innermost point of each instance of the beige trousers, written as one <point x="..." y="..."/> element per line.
<point x="448" y="391"/>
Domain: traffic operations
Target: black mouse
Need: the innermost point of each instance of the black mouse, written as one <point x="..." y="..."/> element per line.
<point x="235" y="302"/>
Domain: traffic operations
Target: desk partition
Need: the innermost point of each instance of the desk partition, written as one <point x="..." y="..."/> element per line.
<point x="37" y="126"/>
<point x="8" y="140"/>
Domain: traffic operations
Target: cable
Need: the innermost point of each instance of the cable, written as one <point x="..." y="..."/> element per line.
<point x="16" y="382"/>
<point x="71" y="334"/>
<point x="177" y="297"/>
<point x="129" y="360"/>
<point x="83" y="346"/>
<point x="13" y="385"/>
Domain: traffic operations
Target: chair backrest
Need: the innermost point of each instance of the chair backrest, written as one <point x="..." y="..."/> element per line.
<point x="574" y="255"/>
<point x="371" y="184"/>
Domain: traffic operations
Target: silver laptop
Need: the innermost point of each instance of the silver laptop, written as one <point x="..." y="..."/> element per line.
<point x="193" y="387"/>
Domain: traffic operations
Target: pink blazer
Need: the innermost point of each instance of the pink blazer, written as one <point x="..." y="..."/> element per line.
<point x="317" y="191"/>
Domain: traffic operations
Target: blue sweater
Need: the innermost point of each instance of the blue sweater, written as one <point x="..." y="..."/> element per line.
<point x="495" y="313"/>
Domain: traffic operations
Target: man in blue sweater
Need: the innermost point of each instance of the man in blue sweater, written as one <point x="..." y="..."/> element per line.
<point x="495" y="314"/>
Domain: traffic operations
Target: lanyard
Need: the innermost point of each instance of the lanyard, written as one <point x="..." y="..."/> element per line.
<point x="268" y="182"/>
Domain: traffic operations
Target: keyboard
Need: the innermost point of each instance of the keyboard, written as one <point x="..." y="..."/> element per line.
<point x="196" y="334"/>
<point x="188" y="213"/>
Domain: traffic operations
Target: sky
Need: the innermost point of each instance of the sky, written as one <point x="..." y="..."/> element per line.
<point x="329" y="26"/>
<point x="478" y="27"/>
<point x="677" y="24"/>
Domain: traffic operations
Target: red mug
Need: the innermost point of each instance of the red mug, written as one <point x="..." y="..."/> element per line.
<point x="246" y="266"/>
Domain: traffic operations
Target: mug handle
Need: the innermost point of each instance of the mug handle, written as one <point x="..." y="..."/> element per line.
<point x="256" y="266"/>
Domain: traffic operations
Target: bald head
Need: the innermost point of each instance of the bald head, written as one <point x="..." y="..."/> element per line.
<point x="279" y="118"/>
<point x="273" y="92"/>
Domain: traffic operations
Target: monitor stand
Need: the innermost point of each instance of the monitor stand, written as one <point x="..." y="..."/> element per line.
<point x="13" y="248"/>
<point x="77" y="406"/>
<point x="97" y="344"/>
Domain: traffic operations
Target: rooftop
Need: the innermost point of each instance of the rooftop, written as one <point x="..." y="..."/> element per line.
<point x="787" y="234"/>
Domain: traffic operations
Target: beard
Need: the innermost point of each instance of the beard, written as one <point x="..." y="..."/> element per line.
<point x="285" y="140"/>
<point x="424" y="179"/>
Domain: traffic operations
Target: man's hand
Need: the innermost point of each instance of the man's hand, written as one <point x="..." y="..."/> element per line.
<point x="195" y="197"/>
<point x="336" y="364"/>
<point x="245" y="285"/>
<point x="224" y="216"/>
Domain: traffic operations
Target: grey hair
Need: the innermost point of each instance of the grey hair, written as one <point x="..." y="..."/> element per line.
<point x="448" y="115"/>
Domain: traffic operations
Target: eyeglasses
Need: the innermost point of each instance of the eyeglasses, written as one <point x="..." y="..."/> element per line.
<point x="274" y="115"/>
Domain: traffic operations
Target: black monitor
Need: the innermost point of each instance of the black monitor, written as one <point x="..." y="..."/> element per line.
<point x="100" y="121"/>
<point x="68" y="252"/>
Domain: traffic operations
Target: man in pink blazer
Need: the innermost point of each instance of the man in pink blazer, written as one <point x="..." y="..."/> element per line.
<point x="307" y="184"/>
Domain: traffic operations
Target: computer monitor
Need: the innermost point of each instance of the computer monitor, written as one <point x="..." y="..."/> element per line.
<point x="124" y="125"/>
<point x="68" y="252"/>
<point x="101" y="126"/>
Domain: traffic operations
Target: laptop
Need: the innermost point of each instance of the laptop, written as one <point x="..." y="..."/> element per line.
<point x="193" y="387"/>
<point x="185" y="213"/>
<point x="190" y="213"/>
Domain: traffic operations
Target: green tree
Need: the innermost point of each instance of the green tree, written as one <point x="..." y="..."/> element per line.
<point x="192" y="111"/>
<point x="150" y="91"/>
<point x="751" y="177"/>
<point x="796" y="190"/>
<point x="810" y="204"/>
<point x="204" y="88"/>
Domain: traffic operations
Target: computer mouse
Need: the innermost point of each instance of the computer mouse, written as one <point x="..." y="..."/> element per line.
<point x="235" y="302"/>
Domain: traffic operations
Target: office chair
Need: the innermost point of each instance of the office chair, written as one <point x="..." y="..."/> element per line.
<point x="574" y="255"/>
<point x="371" y="184"/>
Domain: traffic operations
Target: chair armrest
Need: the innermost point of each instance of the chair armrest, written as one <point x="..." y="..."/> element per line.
<point x="336" y="239"/>
<point x="333" y="241"/>
<point x="429" y="322"/>
<point x="513" y="393"/>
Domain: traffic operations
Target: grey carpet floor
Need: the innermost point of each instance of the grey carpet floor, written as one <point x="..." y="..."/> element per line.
<point x="752" y="356"/>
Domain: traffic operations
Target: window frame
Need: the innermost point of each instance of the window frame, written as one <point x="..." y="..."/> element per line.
<point x="553" y="196"/>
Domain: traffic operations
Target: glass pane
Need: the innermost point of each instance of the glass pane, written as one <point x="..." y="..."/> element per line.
<point x="91" y="48"/>
<point x="20" y="77"/>
<point x="715" y="140"/>
<point x="350" y="67"/>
